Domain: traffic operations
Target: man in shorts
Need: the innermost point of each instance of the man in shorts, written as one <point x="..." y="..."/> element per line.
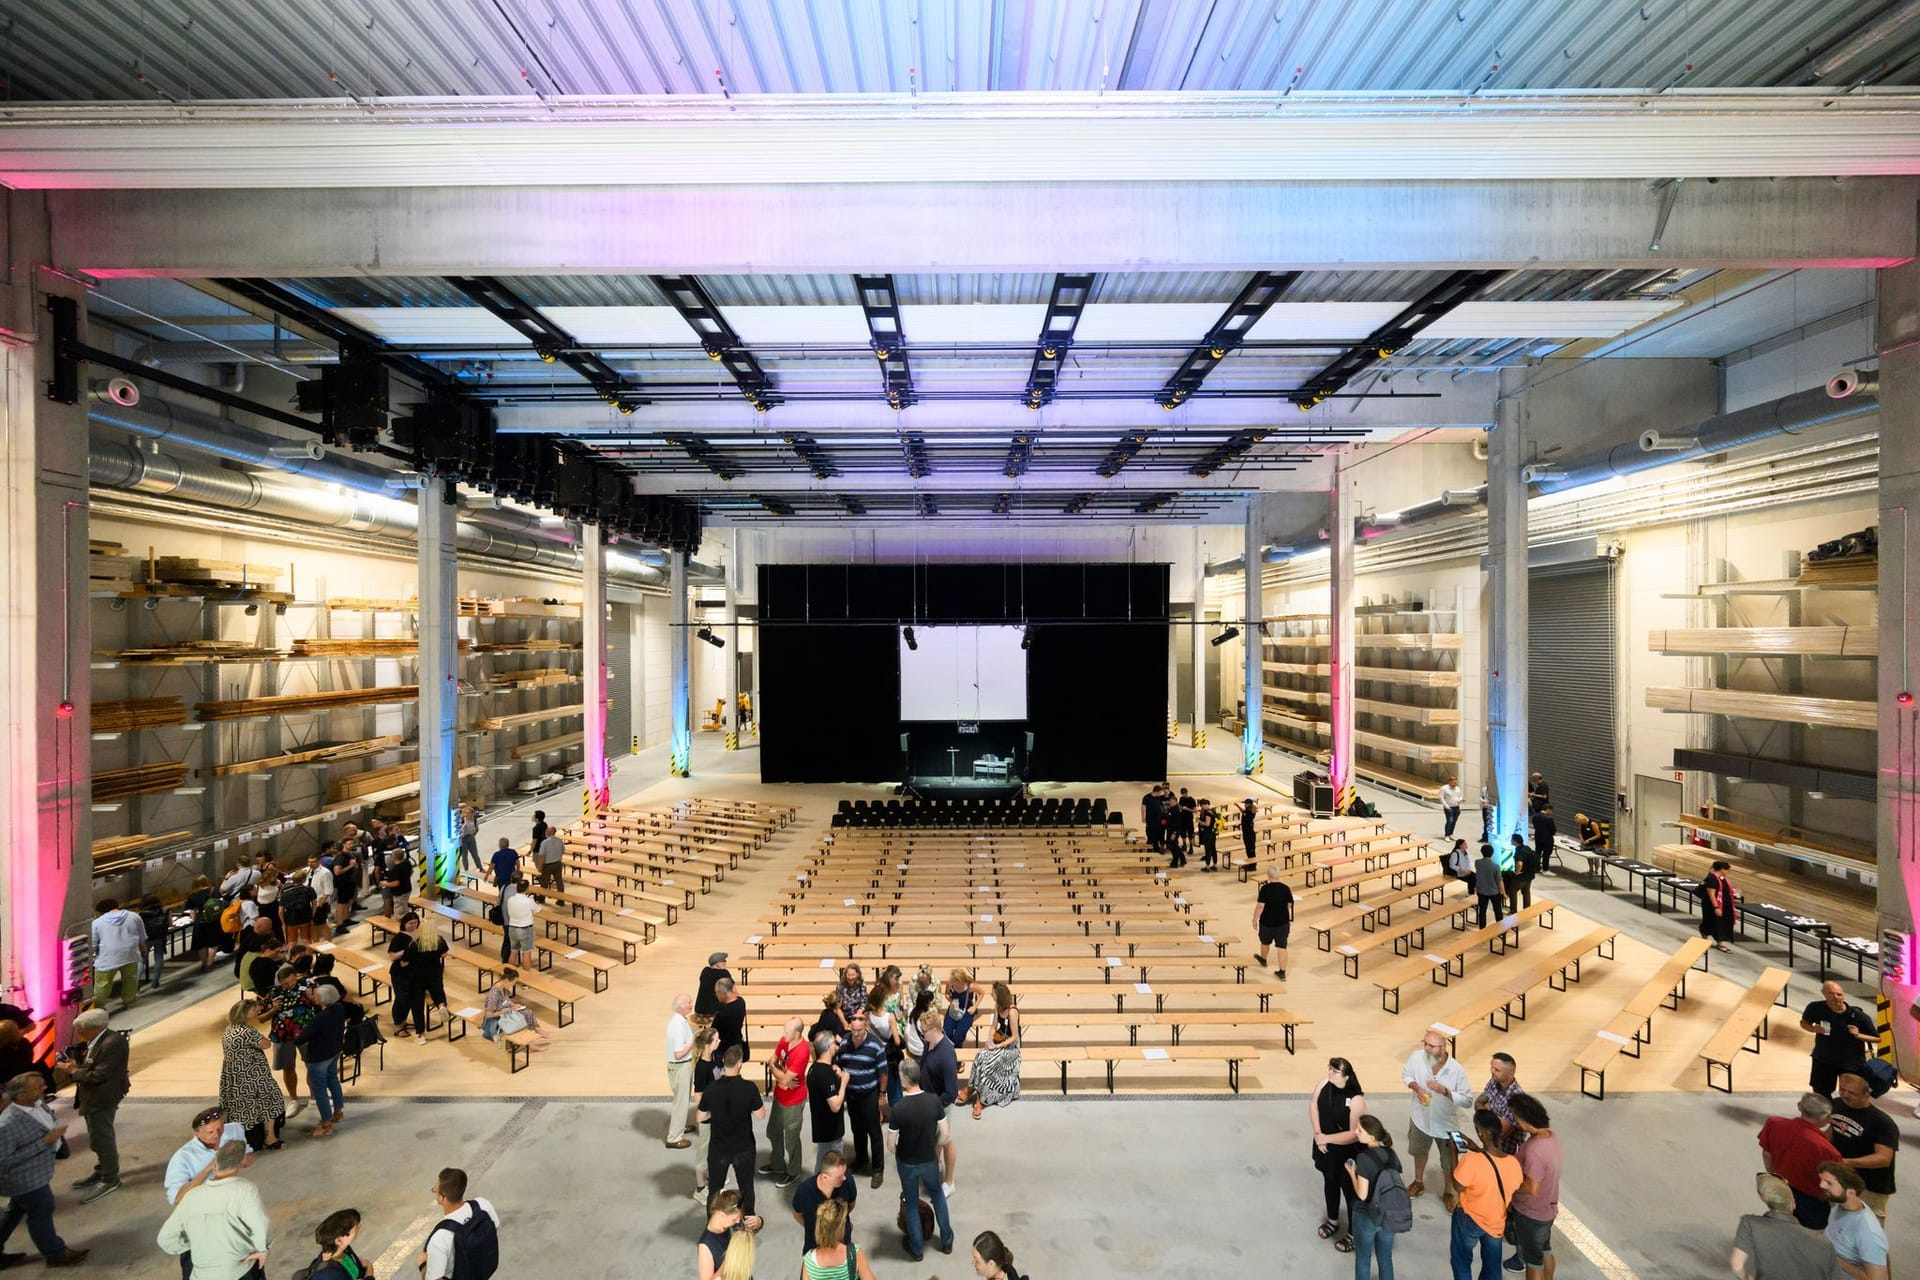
<point x="1273" y="918"/>
<point x="1537" y="1201"/>
<point x="1439" y="1086"/>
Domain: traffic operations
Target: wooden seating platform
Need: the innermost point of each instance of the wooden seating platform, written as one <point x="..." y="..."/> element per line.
<point x="1408" y="933"/>
<point x="519" y="1043"/>
<point x="1449" y="960"/>
<point x="1745" y="1027"/>
<point x="1056" y="968"/>
<point x="1377" y="912"/>
<point x="1112" y="1055"/>
<point x="1350" y="888"/>
<point x="1507" y="1000"/>
<point x="1633" y="1025"/>
<point x="1067" y="944"/>
<point x="793" y="994"/>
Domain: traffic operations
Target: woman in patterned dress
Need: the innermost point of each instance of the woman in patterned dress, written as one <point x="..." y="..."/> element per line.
<point x="249" y="1095"/>
<point x="995" y="1078"/>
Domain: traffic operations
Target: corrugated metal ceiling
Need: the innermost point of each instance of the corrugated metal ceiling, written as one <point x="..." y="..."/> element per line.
<point x="213" y="49"/>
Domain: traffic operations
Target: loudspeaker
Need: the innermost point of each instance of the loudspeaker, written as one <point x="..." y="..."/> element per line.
<point x="1029" y="743"/>
<point x="903" y="742"/>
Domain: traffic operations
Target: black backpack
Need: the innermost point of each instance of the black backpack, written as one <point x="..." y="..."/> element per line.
<point x="476" y="1245"/>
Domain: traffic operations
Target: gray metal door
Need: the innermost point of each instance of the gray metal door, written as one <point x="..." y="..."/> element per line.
<point x="620" y="680"/>
<point x="1571" y="706"/>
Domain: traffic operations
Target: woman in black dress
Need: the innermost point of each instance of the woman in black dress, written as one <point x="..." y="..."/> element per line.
<point x="400" y="956"/>
<point x="1335" y="1108"/>
<point x="1717" y="906"/>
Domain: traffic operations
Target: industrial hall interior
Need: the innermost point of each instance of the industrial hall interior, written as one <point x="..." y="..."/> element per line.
<point x="911" y="639"/>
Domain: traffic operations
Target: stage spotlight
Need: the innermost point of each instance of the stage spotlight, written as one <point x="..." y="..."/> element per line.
<point x="1026" y="638"/>
<point x="1229" y="634"/>
<point x="906" y="633"/>
<point x="706" y="633"/>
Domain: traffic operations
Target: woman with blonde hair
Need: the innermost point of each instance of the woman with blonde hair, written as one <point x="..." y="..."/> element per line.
<point x="419" y="975"/>
<point x="724" y="1237"/>
<point x="738" y="1264"/>
<point x="995" y="1078"/>
<point x="961" y="998"/>
<point x="267" y="894"/>
<point x="249" y="1095"/>
<point x="834" y="1257"/>
<point x="705" y="1067"/>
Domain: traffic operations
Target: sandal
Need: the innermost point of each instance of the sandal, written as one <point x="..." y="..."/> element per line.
<point x="1328" y="1230"/>
<point x="1415" y="1187"/>
<point x="979" y="1109"/>
<point x="1344" y="1244"/>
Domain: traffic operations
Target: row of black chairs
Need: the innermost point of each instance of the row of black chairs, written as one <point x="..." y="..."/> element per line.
<point x="998" y="811"/>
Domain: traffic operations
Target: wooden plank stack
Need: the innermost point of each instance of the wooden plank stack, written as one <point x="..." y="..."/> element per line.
<point x="515" y="607"/>
<point x="542" y="747"/>
<point x="1844" y="571"/>
<point x="1826" y="642"/>
<point x="109" y="566"/>
<point x="138" y="713"/>
<point x="371" y="780"/>
<point x="298" y="703"/>
<point x="118" y="784"/>
<point x="337" y="751"/>
<point x="527" y="646"/>
<point x="192" y="652"/>
<point x="1789" y="708"/>
<point x="531" y="717"/>
<point x="211" y="573"/>
<point x="533" y="678"/>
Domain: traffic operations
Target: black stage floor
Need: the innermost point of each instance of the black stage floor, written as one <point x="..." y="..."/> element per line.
<point x="935" y="788"/>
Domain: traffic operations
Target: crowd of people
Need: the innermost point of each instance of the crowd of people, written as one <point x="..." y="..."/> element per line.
<point x="875" y="1074"/>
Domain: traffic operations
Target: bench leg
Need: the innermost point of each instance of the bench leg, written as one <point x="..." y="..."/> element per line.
<point x="456" y="1029"/>
<point x="1394" y="994"/>
<point x="1726" y="1069"/>
<point x="1600" y="1077"/>
<point x="1350" y="965"/>
<point x="1063" y="1076"/>
<point x="599" y="979"/>
<point x="517" y="1058"/>
<point x="1233" y="1073"/>
<point x="1287" y="1035"/>
<point x="566" y="1013"/>
<point x="1063" y="1079"/>
<point x="1502" y="1018"/>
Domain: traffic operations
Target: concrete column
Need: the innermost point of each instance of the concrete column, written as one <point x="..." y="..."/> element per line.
<point x="1898" y="335"/>
<point x="1253" y="744"/>
<point x="45" y="820"/>
<point x="439" y="676"/>
<point x="1340" y="515"/>
<point x="1507" y="588"/>
<point x="730" y="723"/>
<point x="679" y="668"/>
<point x="593" y="663"/>
<point x="1199" y="641"/>
<point x="1173" y="680"/>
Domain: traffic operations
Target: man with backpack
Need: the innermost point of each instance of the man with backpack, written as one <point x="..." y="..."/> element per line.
<point x="465" y="1244"/>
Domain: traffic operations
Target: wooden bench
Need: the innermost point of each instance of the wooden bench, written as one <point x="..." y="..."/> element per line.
<point x="1633" y="1025"/>
<point x="833" y="925"/>
<point x="589" y="878"/>
<point x="563" y="993"/>
<point x="1745" y="1027"/>
<point x="636" y="853"/>
<point x="1376" y="912"/>
<point x="1507" y="999"/>
<point x="1111" y="1055"/>
<point x="1348" y="888"/>
<point x="1369" y="858"/>
<point x="479" y="932"/>
<point x="519" y="1044"/>
<point x="581" y="905"/>
<point x="1450" y="961"/>
<point x="648" y="879"/>
<point x="854" y="943"/>
<point x="786" y="994"/>
<point x="995" y="923"/>
<point x="1411" y="932"/>
<point x="366" y="969"/>
<point x="1008" y="969"/>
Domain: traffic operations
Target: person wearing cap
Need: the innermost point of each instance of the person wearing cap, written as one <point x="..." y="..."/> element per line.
<point x="706" y="1002"/>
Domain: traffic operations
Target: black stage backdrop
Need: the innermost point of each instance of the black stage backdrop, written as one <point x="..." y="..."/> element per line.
<point x="830" y="664"/>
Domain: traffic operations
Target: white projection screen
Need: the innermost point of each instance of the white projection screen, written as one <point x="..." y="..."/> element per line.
<point x="963" y="673"/>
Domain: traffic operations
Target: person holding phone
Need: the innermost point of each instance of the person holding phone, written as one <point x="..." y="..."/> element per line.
<point x="1843" y="1034"/>
<point x="1487" y="1178"/>
<point x="1335" y="1108"/>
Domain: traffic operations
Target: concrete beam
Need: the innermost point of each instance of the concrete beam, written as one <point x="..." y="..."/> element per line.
<point x="981" y="226"/>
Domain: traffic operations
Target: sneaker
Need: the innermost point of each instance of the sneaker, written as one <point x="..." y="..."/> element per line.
<point x="100" y="1192"/>
<point x="946" y="1189"/>
<point x="1514" y="1264"/>
<point x="71" y="1258"/>
<point x="299" y="1105"/>
<point x="87" y="1181"/>
<point x="1261" y="961"/>
<point x="944" y="1246"/>
<point x="767" y="1170"/>
<point x="786" y="1180"/>
<point x="700" y="1195"/>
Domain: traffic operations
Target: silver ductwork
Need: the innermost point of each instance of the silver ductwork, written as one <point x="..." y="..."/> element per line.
<point x="1268" y="555"/>
<point x="204" y="433"/>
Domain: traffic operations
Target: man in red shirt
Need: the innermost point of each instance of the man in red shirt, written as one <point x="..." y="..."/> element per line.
<point x="1794" y="1147"/>
<point x="790" y="1060"/>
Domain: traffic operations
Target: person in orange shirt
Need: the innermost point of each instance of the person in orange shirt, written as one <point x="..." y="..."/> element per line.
<point x="1487" y="1178"/>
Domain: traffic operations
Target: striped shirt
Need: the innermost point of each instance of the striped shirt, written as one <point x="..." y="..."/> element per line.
<point x="862" y="1063"/>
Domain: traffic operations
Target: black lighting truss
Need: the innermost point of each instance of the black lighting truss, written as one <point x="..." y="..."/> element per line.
<point x="880" y="303"/>
<point x="701" y="450"/>
<point x="1458" y="287"/>
<point x="1227" y="333"/>
<point x="549" y="341"/>
<point x="1064" y="307"/>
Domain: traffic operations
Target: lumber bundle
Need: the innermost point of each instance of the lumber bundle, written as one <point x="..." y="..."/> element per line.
<point x="1843" y="571"/>
<point x="202" y="573"/>
<point x="516" y="607"/>
<point x="371" y="780"/>
<point x="533" y="678"/>
<point x="1425" y="752"/>
<point x="1400" y="711"/>
<point x="1739" y="826"/>
<point x="118" y="784"/>
<point x="531" y="717"/>
<point x="1297" y="668"/>
<point x="116" y="846"/>
<point x="138" y="713"/>
<point x="297" y="703"/>
<point x="526" y="646"/>
<point x="527" y="750"/>
<point x="373" y="604"/>
<point x="190" y="652"/>
<point x="1423" y="679"/>
<point x="1789" y="708"/>
<point x="1822" y="642"/>
<point x="1408" y="640"/>
<point x="336" y="751"/>
<point x="109" y="567"/>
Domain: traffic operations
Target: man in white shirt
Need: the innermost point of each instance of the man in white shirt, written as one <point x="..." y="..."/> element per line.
<point x="450" y="1193"/>
<point x="680" y="1071"/>
<point x="517" y="911"/>
<point x="119" y="936"/>
<point x="320" y="880"/>
<point x="1450" y="798"/>
<point x="192" y="1164"/>
<point x="1439" y="1084"/>
<point x="222" y="1222"/>
<point x="243" y="874"/>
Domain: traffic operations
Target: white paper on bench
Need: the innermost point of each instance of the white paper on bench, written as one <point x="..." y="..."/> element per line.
<point x="1614" y="1037"/>
<point x="1143" y="988"/>
<point x="987" y="919"/>
<point x="625" y="911"/>
<point x="1021" y="865"/>
<point x="323" y="946"/>
<point x="846" y="902"/>
<point x="367" y="969"/>
<point x="1179" y="901"/>
<point x="575" y="954"/>
<point x="754" y="941"/>
<point x="468" y="1012"/>
<point x="827" y="963"/>
<point x="1207" y="938"/>
<point x="1113" y="962"/>
<point x="1446" y="1030"/>
<point x="1154" y="1055"/>
<point x="983" y="888"/>
<point x="1347" y="950"/>
<point x="991" y="942"/>
<point x="1432" y="958"/>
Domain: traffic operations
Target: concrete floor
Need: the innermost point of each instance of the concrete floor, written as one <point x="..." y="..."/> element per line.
<point x="1081" y="1189"/>
<point x="1089" y="1187"/>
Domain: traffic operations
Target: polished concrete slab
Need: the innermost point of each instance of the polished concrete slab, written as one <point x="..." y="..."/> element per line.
<point x="1082" y="1189"/>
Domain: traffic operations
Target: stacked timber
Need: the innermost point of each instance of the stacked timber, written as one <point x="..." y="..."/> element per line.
<point x="1788" y="708"/>
<point x="138" y="713"/>
<point x="531" y="717"/>
<point x="534" y="678"/>
<point x="300" y="703"/>
<point x="191" y="652"/>
<point x="326" y="754"/>
<point x="109" y="566"/>
<point x="118" y="784"/>
<point x="527" y="750"/>
<point x="1843" y="571"/>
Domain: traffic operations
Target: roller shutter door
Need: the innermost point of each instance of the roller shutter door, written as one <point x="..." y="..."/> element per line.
<point x="620" y="680"/>
<point x="1571" y="687"/>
